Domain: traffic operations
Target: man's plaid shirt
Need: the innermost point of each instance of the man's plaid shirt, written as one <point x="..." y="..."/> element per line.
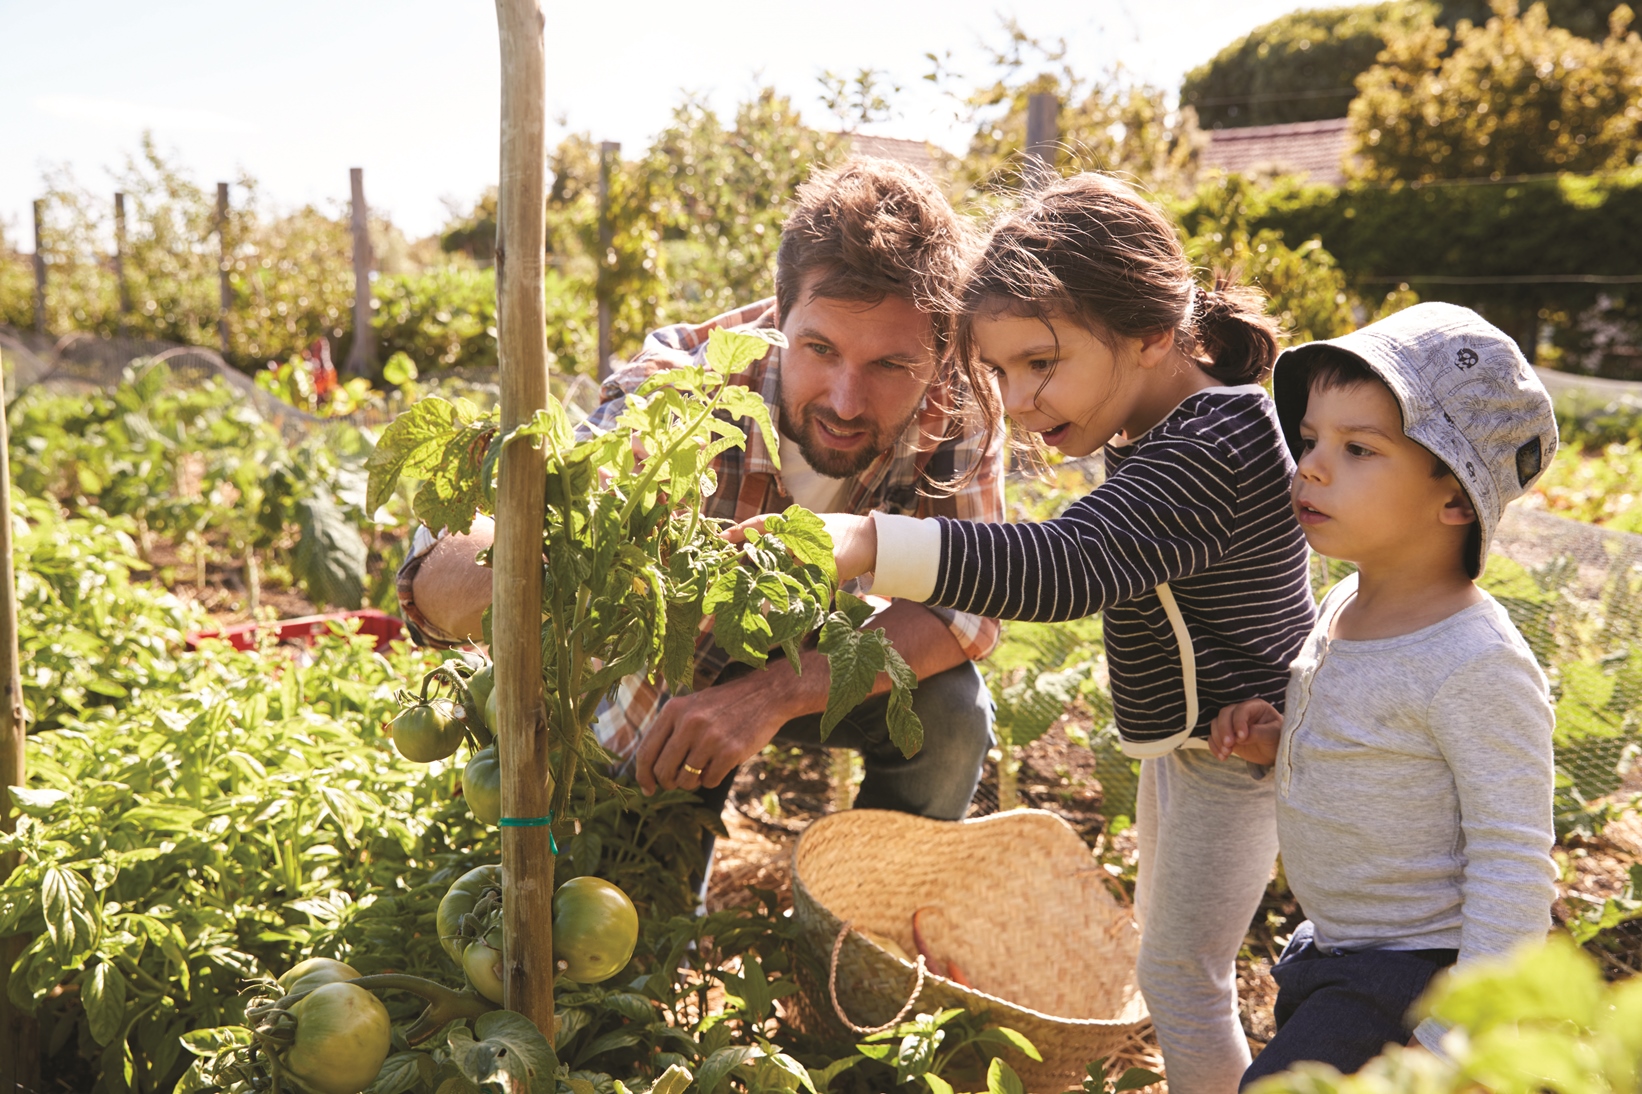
<point x="749" y="484"/>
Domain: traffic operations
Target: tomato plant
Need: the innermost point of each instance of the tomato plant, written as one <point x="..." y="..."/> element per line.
<point x="635" y="566"/>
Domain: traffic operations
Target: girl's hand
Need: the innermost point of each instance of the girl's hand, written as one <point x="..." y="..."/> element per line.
<point x="854" y="541"/>
<point x="1248" y="730"/>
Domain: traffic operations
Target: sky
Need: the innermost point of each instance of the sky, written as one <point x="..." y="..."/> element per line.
<point x="296" y="93"/>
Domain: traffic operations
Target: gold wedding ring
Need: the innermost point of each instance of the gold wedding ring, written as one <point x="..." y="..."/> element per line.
<point x="692" y="770"/>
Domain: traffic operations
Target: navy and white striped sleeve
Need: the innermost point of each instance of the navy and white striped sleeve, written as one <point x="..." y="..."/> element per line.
<point x="1168" y="510"/>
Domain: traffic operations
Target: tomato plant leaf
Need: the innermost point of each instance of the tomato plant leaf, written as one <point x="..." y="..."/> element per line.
<point x="937" y="1085"/>
<point x="509" y="1054"/>
<point x="428" y="422"/>
<point x="730" y="352"/>
<point x="805" y="535"/>
<point x="102" y="991"/>
<point x="404" y="1071"/>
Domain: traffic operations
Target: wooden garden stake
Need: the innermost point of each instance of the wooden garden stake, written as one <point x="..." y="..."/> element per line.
<point x="19" y="1035"/>
<point x="516" y="619"/>
<point x="223" y="289"/>
<point x="362" y="357"/>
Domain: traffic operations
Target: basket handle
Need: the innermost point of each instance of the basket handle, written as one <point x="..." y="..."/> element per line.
<point x="832" y="989"/>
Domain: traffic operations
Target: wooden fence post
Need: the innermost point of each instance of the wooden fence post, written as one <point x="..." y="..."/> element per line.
<point x="119" y="260"/>
<point x="607" y="236"/>
<point x="39" y="266"/>
<point x="362" y="357"/>
<point x="1042" y="134"/>
<point x="227" y="297"/>
<point x="19" y="1034"/>
<point x="521" y="242"/>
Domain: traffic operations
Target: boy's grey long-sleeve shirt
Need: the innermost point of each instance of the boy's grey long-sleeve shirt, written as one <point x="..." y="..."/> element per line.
<point x="1414" y="785"/>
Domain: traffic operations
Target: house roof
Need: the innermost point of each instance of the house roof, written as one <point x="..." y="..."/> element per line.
<point x="1317" y="149"/>
<point x="912" y="153"/>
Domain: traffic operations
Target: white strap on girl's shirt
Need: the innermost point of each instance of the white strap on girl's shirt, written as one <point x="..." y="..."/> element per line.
<point x="909" y="561"/>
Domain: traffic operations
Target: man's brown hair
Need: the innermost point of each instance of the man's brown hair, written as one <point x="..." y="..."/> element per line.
<point x="872" y="228"/>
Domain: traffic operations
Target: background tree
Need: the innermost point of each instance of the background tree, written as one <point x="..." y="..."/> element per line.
<point x="1297" y="68"/>
<point x="1106" y="124"/>
<point x="1515" y="96"/>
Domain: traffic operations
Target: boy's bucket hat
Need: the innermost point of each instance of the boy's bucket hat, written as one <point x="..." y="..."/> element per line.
<point x="1466" y="394"/>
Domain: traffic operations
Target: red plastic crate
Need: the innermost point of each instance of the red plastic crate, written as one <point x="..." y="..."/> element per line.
<point x="383" y="627"/>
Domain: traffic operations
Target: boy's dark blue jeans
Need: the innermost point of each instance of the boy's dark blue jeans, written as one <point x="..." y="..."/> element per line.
<point x="1342" y="1008"/>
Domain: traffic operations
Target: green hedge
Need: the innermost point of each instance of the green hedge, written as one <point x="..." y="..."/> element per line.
<point x="1507" y="248"/>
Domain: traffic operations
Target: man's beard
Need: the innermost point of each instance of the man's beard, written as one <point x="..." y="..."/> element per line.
<point x="831" y="462"/>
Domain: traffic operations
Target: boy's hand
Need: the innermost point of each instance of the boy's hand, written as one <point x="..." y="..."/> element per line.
<point x="854" y="541"/>
<point x="1248" y="730"/>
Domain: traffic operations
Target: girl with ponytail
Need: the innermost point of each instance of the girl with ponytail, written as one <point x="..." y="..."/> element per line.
<point x="1081" y="323"/>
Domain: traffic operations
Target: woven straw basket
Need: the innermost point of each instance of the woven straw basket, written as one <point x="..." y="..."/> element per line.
<point x="1015" y="900"/>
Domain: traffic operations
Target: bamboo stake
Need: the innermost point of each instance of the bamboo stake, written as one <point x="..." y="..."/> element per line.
<point x="521" y="240"/>
<point x="19" y="1035"/>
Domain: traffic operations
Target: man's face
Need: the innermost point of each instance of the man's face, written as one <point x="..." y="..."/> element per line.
<point x="852" y="377"/>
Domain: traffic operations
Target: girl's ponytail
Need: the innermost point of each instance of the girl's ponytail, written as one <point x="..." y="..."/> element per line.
<point x="1232" y="329"/>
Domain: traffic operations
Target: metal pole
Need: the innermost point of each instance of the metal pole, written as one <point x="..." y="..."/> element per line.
<point x="607" y="237"/>
<point x="19" y="1034"/>
<point x="362" y="357"/>
<point x="119" y="260"/>
<point x="1042" y="133"/>
<point x="521" y="243"/>
<point x="222" y="266"/>
<point x="39" y="266"/>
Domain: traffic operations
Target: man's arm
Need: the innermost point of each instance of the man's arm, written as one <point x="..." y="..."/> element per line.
<point x="716" y="729"/>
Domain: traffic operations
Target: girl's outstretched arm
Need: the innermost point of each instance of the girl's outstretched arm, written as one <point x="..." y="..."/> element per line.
<point x="1170" y="509"/>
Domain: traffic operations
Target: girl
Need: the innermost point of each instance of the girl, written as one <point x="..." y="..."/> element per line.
<point x="1081" y="322"/>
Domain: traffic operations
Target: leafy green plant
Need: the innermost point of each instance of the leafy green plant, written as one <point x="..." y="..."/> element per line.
<point x="635" y="567"/>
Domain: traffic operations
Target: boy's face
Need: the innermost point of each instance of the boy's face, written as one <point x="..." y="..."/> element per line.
<point x="1364" y="492"/>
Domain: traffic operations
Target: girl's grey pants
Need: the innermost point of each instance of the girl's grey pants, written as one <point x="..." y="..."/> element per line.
<point x="1208" y="837"/>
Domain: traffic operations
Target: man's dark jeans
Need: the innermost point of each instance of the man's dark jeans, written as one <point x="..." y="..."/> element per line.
<point x="1342" y="1008"/>
<point x="939" y="779"/>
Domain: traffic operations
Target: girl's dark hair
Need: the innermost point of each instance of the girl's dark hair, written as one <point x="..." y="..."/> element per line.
<point x="1090" y="249"/>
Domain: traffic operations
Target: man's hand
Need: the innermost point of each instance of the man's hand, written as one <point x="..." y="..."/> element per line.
<point x="1248" y="730"/>
<point x="701" y="737"/>
<point x="854" y="541"/>
<point x="451" y="589"/>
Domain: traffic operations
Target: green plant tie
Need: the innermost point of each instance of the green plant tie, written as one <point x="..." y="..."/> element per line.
<point x="534" y="822"/>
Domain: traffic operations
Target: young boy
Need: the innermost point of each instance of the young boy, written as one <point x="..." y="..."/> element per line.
<point x="1413" y="767"/>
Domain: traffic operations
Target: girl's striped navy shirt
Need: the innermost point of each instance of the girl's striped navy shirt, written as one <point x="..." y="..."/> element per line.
<point x="1201" y="501"/>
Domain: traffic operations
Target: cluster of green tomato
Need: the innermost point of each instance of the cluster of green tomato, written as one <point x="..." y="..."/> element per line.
<point x="433" y="728"/>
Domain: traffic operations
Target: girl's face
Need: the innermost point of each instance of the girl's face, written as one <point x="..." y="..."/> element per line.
<point x="1086" y="400"/>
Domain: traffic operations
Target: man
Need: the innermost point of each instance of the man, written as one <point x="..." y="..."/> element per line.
<point x="867" y="421"/>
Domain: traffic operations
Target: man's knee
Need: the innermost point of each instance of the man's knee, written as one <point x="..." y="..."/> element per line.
<point x="957" y="704"/>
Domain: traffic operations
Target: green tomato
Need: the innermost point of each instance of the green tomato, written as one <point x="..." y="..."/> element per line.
<point x="482" y="786"/>
<point x="459" y="901"/>
<point x="492" y="710"/>
<point x="482" y="961"/>
<point x="595" y="929"/>
<point x="314" y="972"/>
<point x="427" y="731"/>
<point x="480" y="685"/>
<point x="342" y="1037"/>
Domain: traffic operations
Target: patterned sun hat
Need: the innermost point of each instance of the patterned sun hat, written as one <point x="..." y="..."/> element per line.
<point x="1466" y="394"/>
